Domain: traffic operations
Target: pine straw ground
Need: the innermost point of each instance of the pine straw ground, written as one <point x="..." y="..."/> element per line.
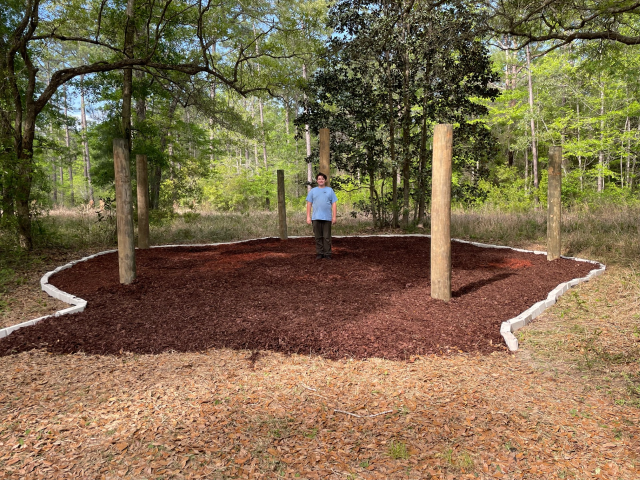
<point x="565" y="406"/>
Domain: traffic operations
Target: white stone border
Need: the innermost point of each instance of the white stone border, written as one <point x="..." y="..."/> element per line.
<point x="510" y="326"/>
<point x="507" y="328"/>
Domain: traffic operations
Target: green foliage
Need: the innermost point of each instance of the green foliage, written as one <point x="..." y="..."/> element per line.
<point x="386" y="65"/>
<point x="506" y="190"/>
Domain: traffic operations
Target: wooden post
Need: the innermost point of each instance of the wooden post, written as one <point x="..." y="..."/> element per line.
<point x="282" y="206"/>
<point x="142" y="182"/>
<point x="324" y="153"/>
<point x="441" y="213"/>
<point x="554" y="203"/>
<point x="124" y="211"/>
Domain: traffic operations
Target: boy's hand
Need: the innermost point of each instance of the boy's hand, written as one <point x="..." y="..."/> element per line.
<point x="309" y="220"/>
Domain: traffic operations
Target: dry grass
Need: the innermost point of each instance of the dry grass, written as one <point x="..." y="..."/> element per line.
<point x="608" y="234"/>
<point x="593" y="332"/>
<point x="564" y="406"/>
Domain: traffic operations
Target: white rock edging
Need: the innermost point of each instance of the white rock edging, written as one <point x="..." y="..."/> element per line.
<point x="507" y="328"/>
<point x="77" y="304"/>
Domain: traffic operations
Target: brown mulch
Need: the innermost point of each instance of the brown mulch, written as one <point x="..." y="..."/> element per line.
<point x="371" y="300"/>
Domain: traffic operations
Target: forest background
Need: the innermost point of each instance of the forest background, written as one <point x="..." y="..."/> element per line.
<point x="226" y="94"/>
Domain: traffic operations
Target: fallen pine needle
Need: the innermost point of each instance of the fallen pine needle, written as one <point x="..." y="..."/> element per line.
<point x="362" y="416"/>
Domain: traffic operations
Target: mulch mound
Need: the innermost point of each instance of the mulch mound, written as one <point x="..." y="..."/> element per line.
<point x="371" y="300"/>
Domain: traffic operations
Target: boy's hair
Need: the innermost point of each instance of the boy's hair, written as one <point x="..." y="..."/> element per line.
<point x="320" y="174"/>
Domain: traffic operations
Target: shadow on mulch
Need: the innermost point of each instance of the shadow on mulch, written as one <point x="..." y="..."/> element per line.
<point x="371" y="300"/>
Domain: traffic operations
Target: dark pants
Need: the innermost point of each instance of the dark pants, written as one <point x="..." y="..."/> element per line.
<point x="322" y="232"/>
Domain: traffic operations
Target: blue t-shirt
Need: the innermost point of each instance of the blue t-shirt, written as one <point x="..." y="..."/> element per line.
<point x="321" y="200"/>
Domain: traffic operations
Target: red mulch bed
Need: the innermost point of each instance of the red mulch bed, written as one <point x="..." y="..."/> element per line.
<point x="371" y="300"/>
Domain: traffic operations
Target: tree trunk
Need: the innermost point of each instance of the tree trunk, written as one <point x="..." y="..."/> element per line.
<point x="124" y="212"/>
<point x="324" y="141"/>
<point x="54" y="180"/>
<point x="85" y="144"/>
<point x="526" y="170"/>
<point x="628" y="152"/>
<point x="633" y="171"/>
<point x="534" y="143"/>
<point x="142" y="177"/>
<point x="554" y="203"/>
<point x="392" y="148"/>
<point x="212" y="96"/>
<point x="121" y="152"/>
<point x="155" y="187"/>
<point x="422" y="172"/>
<point x="307" y="135"/>
<point x="601" y="152"/>
<point x="127" y="82"/>
<point x="579" y="156"/>
<point x="286" y="118"/>
<point x="68" y="145"/>
<point x="406" y="127"/>
<point x="282" y="206"/>
<point x="372" y="189"/>
<point x="7" y="197"/>
<point x="262" y="132"/>
<point x="142" y="185"/>
<point x="157" y="169"/>
<point x="61" y="172"/>
<point x="24" y="178"/>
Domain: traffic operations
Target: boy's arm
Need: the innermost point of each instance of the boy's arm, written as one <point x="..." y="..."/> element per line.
<point x="309" y="213"/>
<point x="334" y="212"/>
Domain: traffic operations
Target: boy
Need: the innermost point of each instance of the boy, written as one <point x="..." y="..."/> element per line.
<point x="322" y="200"/>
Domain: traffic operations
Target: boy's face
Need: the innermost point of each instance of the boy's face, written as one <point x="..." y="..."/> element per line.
<point x="321" y="181"/>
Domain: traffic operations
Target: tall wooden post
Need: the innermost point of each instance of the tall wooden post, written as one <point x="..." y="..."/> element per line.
<point x="441" y="213"/>
<point x="282" y="206"/>
<point x="142" y="182"/>
<point x="554" y="203"/>
<point x="324" y="152"/>
<point x="124" y="211"/>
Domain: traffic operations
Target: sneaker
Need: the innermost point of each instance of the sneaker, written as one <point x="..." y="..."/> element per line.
<point x="319" y="257"/>
<point x="327" y="257"/>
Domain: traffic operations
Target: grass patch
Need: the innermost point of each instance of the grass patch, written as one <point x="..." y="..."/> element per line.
<point x="458" y="461"/>
<point x="398" y="450"/>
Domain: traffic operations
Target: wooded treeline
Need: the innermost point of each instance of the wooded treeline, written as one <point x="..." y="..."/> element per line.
<point x="224" y="94"/>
